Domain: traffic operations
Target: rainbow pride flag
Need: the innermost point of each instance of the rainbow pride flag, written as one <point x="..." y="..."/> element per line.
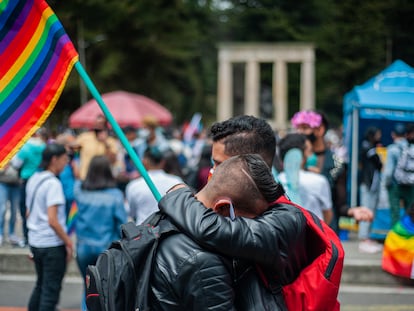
<point x="36" y="57"/>
<point x="71" y="220"/>
<point x="398" y="254"/>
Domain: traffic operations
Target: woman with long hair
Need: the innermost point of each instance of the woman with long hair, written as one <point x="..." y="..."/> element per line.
<point x="101" y="212"/>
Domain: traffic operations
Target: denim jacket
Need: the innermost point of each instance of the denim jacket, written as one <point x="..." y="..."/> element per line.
<point x="100" y="215"/>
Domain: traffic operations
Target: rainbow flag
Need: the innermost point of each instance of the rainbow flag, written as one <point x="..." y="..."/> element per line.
<point x="71" y="221"/>
<point x="36" y="57"/>
<point x="398" y="254"/>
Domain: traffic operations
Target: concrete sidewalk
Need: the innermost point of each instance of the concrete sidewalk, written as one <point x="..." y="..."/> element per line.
<point x="15" y="260"/>
<point x="362" y="268"/>
<point x="359" y="268"/>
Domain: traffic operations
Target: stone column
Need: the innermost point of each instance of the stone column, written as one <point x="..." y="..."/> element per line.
<point x="253" y="54"/>
<point x="251" y="88"/>
<point x="307" y="85"/>
<point x="224" y="90"/>
<point x="280" y="93"/>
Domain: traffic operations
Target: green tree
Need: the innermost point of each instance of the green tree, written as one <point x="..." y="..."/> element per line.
<point x="158" y="48"/>
<point x="351" y="48"/>
<point x="167" y="49"/>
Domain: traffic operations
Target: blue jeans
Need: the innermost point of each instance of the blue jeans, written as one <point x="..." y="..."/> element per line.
<point x="370" y="200"/>
<point x="9" y="193"/>
<point x="50" y="264"/>
<point x="86" y="254"/>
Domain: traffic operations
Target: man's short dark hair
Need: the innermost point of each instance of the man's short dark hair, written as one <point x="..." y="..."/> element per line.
<point x="245" y="134"/>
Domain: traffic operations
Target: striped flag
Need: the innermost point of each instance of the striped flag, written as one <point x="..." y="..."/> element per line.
<point x="36" y="57"/>
<point x="72" y="217"/>
<point x="398" y="254"/>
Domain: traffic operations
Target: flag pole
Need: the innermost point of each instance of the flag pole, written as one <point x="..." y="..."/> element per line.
<point x="118" y="131"/>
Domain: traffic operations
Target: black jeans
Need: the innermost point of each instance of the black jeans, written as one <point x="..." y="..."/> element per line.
<point x="50" y="264"/>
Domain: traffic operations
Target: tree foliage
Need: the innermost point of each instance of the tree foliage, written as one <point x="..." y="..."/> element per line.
<point x="166" y="49"/>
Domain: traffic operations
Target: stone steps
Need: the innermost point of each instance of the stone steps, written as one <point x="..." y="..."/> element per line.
<point x="362" y="269"/>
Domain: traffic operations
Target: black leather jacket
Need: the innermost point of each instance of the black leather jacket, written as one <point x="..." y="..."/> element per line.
<point x="275" y="240"/>
<point x="188" y="277"/>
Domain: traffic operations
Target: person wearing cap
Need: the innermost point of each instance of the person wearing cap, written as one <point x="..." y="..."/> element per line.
<point x="313" y="191"/>
<point x="46" y="221"/>
<point x="396" y="193"/>
<point x="310" y="123"/>
<point x="315" y="125"/>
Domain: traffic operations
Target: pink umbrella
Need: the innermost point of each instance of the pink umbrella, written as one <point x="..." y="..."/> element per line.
<point x="128" y="109"/>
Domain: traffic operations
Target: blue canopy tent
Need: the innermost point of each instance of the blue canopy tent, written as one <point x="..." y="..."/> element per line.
<point x="381" y="101"/>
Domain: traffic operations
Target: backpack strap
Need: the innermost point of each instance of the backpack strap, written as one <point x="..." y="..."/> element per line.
<point x="160" y="219"/>
<point x="130" y="230"/>
<point x="35" y="191"/>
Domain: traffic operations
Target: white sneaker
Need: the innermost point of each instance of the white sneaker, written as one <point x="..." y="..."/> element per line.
<point x="369" y="247"/>
<point x="16" y="241"/>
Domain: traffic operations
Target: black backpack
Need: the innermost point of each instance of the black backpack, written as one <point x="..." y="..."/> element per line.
<point x="120" y="279"/>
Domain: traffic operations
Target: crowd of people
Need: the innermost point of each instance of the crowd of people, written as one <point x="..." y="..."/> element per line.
<point x="91" y="169"/>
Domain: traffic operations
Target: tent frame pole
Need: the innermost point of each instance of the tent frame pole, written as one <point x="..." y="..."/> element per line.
<point x="354" y="158"/>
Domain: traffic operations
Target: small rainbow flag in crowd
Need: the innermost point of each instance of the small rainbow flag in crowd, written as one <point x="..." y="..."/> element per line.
<point x="398" y="254"/>
<point x="72" y="216"/>
<point x="36" y="57"/>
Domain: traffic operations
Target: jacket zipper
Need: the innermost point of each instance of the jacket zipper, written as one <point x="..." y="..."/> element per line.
<point x="332" y="262"/>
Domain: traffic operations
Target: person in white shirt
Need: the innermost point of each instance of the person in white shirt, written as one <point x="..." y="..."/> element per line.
<point x="140" y="198"/>
<point x="312" y="188"/>
<point x="49" y="243"/>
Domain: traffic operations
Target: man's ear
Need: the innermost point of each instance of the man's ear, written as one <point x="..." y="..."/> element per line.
<point x="222" y="206"/>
